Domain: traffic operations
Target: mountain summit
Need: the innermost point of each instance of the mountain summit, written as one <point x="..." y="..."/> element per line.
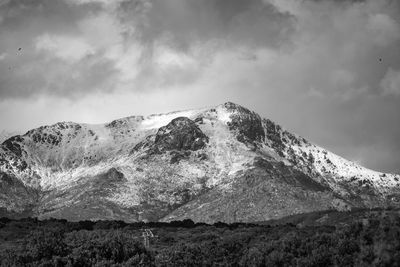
<point x="214" y="164"/>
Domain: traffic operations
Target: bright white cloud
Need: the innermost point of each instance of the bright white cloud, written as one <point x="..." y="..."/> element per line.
<point x="166" y="57"/>
<point x="127" y="61"/>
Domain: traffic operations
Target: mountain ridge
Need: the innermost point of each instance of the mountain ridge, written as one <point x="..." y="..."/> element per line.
<point x="184" y="164"/>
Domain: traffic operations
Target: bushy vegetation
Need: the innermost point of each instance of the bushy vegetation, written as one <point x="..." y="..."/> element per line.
<point x="371" y="241"/>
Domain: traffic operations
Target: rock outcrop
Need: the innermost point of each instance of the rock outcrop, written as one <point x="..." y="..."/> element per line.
<point x="180" y="134"/>
<point x="246" y="123"/>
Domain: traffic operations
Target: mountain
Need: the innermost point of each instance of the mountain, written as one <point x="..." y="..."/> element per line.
<point x="4" y="135"/>
<point x="213" y="164"/>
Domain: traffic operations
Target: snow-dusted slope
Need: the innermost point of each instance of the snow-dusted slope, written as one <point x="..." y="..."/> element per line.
<point x="146" y="168"/>
<point x="326" y="166"/>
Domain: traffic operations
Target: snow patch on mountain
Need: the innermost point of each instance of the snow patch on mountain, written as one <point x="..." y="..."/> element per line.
<point x="156" y="121"/>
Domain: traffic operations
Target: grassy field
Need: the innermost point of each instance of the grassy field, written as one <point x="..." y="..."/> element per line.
<point x="330" y="238"/>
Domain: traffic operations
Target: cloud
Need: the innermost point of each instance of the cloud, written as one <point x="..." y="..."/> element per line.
<point x="190" y="21"/>
<point x="127" y="38"/>
<point x="45" y="49"/>
<point x="390" y="83"/>
<point x="385" y="30"/>
<point x="64" y="47"/>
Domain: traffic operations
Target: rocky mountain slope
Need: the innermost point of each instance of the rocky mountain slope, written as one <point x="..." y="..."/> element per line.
<point x="214" y="164"/>
<point x="4" y="135"/>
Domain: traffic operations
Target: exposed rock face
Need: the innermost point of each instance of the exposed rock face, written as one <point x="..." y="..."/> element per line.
<point x="180" y="134"/>
<point x="112" y="176"/>
<point x="219" y="164"/>
<point x="247" y="124"/>
<point x="274" y="135"/>
<point x="15" y="196"/>
<point x="13" y="145"/>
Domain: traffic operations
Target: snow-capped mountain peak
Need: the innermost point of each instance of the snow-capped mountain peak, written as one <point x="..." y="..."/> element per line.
<point x="181" y="164"/>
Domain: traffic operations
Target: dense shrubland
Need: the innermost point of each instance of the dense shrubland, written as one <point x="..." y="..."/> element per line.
<point x="371" y="241"/>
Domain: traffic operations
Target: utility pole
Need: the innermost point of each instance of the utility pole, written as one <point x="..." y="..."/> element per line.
<point x="147" y="233"/>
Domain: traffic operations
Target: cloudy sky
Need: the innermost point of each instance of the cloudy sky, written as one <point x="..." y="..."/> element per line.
<point x="328" y="70"/>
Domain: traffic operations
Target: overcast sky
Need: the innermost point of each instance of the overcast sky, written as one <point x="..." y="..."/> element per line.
<point x="328" y="70"/>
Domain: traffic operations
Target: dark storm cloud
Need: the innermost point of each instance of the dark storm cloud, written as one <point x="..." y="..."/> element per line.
<point x="247" y="22"/>
<point x="189" y="33"/>
<point x="60" y="79"/>
<point x="42" y="29"/>
<point x="24" y="70"/>
<point x="62" y="14"/>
